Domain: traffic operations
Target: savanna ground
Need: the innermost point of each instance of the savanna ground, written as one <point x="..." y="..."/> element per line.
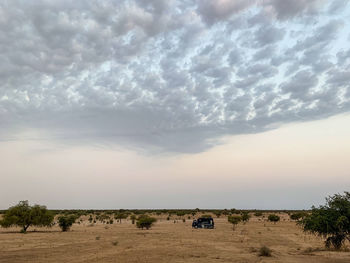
<point x="167" y="242"/>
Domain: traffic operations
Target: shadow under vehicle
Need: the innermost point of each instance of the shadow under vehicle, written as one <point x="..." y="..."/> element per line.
<point x="203" y="222"/>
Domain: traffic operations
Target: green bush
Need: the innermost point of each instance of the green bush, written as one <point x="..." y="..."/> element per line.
<point x="145" y="221"/>
<point x="298" y="216"/>
<point x="65" y="222"/>
<point x="273" y="218"/>
<point x="24" y="216"/>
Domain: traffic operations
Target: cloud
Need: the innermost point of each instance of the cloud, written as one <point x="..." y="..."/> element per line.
<point x="168" y="75"/>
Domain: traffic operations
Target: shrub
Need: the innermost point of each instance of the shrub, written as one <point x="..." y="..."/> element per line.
<point x="257" y="214"/>
<point x="65" y="222"/>
<point x="265" y="252"/>
<point x="115" y="243"/>
<point x="273" y="218"/>
<point x="331" y="221"/>
<point x="298" y="216"/>
<point x="24" y="216"/>
<point x="245" y="217"/>
<point x="145" y="221"/>
<point x="234" y="220"/>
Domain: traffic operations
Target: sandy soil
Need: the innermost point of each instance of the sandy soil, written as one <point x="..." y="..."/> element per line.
<point x="166" y="242"/>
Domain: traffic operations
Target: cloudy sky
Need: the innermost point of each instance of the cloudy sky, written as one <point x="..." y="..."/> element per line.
<point x="192" y="103"/>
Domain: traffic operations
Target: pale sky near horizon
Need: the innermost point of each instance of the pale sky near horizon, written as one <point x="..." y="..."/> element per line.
<point x="174" y="104"/>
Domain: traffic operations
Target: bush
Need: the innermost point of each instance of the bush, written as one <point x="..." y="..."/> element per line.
<point x="265" y="252"/>
<point x="298" y="216"/>
<point x="24" y="216"/>
<point x="331" y="221"/>
<point x="234" y="220"/>
<point x="245" y="217"/>
<point x="145" y="221"/>
<point x="65" y="222"/>
<point x="273" y="218"/>
<point x="257" y="214"/>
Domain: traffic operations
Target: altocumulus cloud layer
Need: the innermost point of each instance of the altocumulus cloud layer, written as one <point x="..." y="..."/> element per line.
<point x="170" y="75"/>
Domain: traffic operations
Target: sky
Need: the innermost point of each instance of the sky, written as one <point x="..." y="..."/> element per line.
<point x="174" y="104"/>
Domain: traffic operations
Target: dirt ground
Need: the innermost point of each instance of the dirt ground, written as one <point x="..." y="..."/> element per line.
<point x="167" y="242"/>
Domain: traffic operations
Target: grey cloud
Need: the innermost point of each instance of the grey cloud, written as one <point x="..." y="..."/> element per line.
<point x="163" y="75"/>
<point x="285" y="9"/>
<point x="268" y="35"/>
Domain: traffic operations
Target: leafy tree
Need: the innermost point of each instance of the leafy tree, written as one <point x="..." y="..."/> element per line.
<point x="65" y="222"/>
<point x="145" y="221"/>
<point x="24" y="215"/>
<point x="331" y="221"/>
<point x="273" y="218"/>
<point x="234" y="220"/>
<point x="120" y="216"/>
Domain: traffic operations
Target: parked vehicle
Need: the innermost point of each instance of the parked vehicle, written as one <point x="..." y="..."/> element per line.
<point x="203" y="222"/>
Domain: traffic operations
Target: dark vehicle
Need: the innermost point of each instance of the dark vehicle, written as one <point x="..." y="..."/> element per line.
<point x="203" y="222"/>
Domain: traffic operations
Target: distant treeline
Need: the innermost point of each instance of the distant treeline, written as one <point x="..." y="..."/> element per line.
<point x="178" y="212"/>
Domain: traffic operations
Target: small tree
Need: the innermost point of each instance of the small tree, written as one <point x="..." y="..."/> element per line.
<point x="120" y="216"/>
<point x="234" y="220"/>
<point x="145" y="221"/>
<point x="65" y="222"/>
<point x="245" y="217"/>
<point x="273" y="218"/>
<point x="331" y="221"/>
<point x="24" y="215"/>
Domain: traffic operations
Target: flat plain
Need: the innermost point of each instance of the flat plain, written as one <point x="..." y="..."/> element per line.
<point x="167" y="241"/>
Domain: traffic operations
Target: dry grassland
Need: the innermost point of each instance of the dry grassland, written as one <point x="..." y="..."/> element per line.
<point x="167" y="242"/>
